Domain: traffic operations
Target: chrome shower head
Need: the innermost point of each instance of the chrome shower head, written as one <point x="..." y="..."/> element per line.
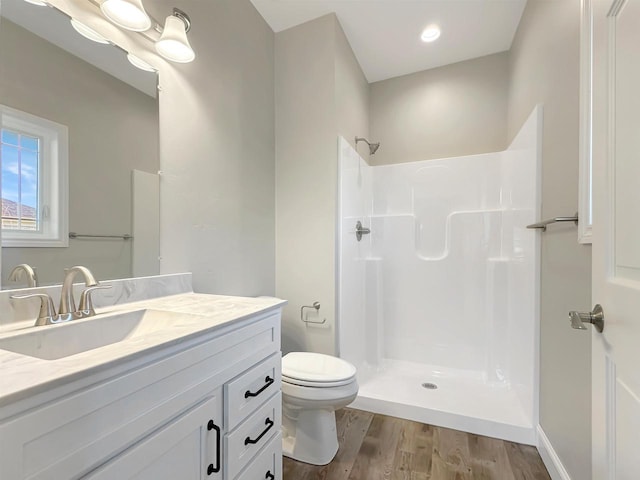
<point x="373" y="147"/>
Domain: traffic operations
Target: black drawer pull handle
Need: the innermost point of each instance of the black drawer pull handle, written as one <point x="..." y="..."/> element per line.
<point x="211" y="469"/>
<point x="270" y="476"/>
<point x="268" y="381"/>
<point x="269" y="423"/>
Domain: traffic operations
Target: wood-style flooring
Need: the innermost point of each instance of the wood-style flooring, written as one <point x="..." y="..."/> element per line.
<point x="377" y="447"/>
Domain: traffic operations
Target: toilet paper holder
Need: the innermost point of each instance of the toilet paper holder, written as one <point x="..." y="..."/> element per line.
<point x="316" y="306"/>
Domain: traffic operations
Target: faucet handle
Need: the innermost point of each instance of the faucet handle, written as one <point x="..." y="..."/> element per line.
<point x="47" y="313"/>
<point x="86" y="302"/>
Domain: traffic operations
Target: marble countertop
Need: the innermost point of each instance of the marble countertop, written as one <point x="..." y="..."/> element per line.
<point x="23" y="376"/>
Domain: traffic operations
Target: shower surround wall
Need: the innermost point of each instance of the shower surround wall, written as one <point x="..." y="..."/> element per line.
<point x="444" y="290"/>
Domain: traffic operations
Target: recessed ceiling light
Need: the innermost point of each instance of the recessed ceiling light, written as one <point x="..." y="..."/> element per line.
<point x="87" y="32"/>
<point x="430" y="34"/>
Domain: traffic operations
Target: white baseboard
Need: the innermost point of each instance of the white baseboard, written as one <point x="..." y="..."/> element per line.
<point x="550" y="457"/>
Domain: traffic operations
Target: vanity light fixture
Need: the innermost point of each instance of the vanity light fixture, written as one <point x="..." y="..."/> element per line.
<point x="139" y="63"/>
<point x="174" y="44"/>
<point x="129" y="14"/>
<point x="87" y="32"/>
<point x="430" y="34"/>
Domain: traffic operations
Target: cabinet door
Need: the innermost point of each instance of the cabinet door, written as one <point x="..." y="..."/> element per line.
<point x="187" y="448"/>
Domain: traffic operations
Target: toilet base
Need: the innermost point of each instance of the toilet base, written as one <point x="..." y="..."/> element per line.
<point x="309" y="436"/>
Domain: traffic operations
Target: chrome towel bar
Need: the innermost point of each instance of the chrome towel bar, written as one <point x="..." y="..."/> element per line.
<point x="126" y="236"/>
<point x="543" y="225"/>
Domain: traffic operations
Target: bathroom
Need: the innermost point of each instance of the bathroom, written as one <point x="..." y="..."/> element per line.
<point x="247" y="169"/>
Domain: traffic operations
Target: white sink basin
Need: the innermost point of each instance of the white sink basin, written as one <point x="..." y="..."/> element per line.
<point x="63" y="340"/>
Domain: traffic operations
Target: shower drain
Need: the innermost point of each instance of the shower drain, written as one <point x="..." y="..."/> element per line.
<point x="429" y="386"/>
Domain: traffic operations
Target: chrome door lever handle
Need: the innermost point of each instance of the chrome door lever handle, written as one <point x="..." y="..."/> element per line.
<point x="596" y="318"/>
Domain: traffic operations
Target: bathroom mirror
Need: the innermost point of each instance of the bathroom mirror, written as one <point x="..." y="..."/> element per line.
<point x="108" y="108"/>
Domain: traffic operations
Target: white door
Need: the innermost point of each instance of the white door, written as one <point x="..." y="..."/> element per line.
<point x="616" y="239"/>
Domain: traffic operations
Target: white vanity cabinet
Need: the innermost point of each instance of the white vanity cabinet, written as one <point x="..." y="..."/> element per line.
<point x="181" y="449"/>
<point x="207" y="407"/>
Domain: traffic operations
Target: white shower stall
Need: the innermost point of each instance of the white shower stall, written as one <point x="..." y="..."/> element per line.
<point x="438" y="305"/>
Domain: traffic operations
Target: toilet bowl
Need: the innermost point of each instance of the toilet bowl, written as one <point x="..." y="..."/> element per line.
<point x="313" y="387"/>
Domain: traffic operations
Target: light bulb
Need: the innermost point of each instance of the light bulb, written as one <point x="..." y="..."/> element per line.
<point x="174" y="44"/>
<point x="139" y="63"/>
<point x="87" y="32"/>
<point x="129" y="14"/>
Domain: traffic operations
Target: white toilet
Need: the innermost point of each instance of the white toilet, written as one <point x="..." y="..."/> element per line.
<point x="313" y="387"/>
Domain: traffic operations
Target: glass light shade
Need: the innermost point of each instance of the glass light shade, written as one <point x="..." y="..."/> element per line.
<point x="430" y="34"/>
<point x="129" y="14"/>
<point x="174" y="44"/>
<point x="87" y="32"/>
<point x="139" y="63"/>
<point x="40" y="3"/>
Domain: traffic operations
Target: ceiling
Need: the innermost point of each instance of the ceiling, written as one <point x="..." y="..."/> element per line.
<point x="385" y="34"/>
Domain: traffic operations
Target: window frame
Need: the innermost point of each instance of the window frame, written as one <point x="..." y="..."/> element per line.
<point x="53" y="172"/>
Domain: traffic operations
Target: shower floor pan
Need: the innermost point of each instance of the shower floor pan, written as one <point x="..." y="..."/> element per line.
<point x="462" y="400"/>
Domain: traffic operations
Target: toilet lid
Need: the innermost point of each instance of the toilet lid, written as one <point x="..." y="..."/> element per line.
<point x="316" y="369"/>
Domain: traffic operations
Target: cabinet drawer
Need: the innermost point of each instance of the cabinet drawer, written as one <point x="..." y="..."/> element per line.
<point x="267" y="465"/>
<point x="252" y="435"/>
<point x="251" y="389"/>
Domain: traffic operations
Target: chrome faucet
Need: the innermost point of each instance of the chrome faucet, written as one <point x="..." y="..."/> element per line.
<point x="67" y="310"/>
<point x="16" y="274"/>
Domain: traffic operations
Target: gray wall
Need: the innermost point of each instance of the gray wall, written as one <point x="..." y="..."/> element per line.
<point x="352" y="93"/>
<point x="217" y="151"/>
<point x="113" y="128"/>
<point x="316" y="72"/>
<point x="544" y="68"/>
<point x="458" y="109"/>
